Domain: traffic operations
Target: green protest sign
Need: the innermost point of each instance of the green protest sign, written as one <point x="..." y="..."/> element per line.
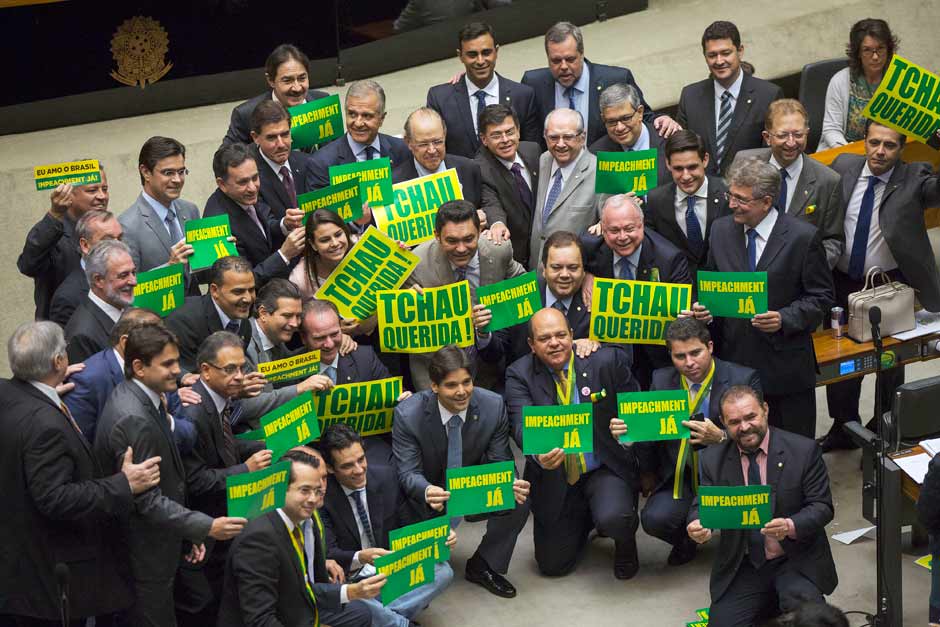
<point x="907" y="100"/>
<point x="547" y="427"/>
<point x="733" y="294"/>
<point x="410" y="219"/>
<point x="251" y="494"/>
<point x="407" y="569"/>
<point x="290" y="368"/>
<point x="698" y="623"/>
<point x="437" y="528"/>
<point x="512" y="301"/>
<point x="734" y="507"/>
<point x="480" y="489"/>
<point x="342" y="199"/>
<point x="160" y="290"/>
<point x="703" y="614"/>
<point x="622" y="172"/>
<point x="652" y="416"/>
<point x="87" y="172"/>
<point x="366" y="406"/>
<point x="635" y="312"/>
<point x="209" y="239"/>
<point x="374" y="263"/>
<point x="257" y="434"/>
<point x="294" y="422"/>
<point x="316" y="123"/>
<point x="375" y="175"/>
<point x="422" y="323"/>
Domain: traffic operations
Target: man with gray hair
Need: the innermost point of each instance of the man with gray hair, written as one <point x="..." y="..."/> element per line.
<point x="112" y="276"/>
<point x="63" y="500"/>
<point x="92" y="227"/>
<point x="571" y="81"/>
<point x="777" y="343"/>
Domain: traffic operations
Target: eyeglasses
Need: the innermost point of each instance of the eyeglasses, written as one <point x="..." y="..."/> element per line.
<point x="782" y="136"/>
<point x="870" y="52"/>
<point x="498" y="135"/>
<point x="568" y="137"/>
<point x="740" y="200"/>
<point x="624" y="119"/>
<point x="182" y="172"/>
<point x="437" y="143"/>
<point x="231" y="369"/>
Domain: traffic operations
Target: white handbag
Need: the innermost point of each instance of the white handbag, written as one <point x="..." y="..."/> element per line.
<point x="895" y="299"/>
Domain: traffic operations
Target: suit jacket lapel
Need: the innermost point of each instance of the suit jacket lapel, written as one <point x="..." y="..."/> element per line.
<point x="462" y="96"/>
<point x="741" y="108"/>
<point x="215" y="423"/>
<point x="776" y="457"/>
<point x="805" y="186"/>
<point x="287" y="546"/>
<point x="434" y="429"/>
<point x="775" y="243"/>
<point x="346" y="370"/>
<point x="153" y="222"/>
<point x="544" y="382"/>
<point x="346" y="513"/>
<point x="274" y="180"/>
<point x="851" y="178"/>
<point x="714" y="203"/>
<point x="647" y="258"/>
<point x="38" y="395"/>
<point x="376" y="512"/>
<point x="102" y="319"/>
<point x="709" y="110"/>
<point x="574" y="181"/>
<point x="897" y="177"/>
<point x="162" y="424"/>
<point x="117" y="375"/>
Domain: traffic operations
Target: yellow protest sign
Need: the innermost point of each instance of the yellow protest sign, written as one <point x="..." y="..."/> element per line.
<point x="907" y="100"/>
<point x="635" y="312"/>
<point x="375" y="263"/>
<point x="366" y="406"/>
<point x="410" y="219"/>
<point x="75" y="172"/>
<point x="294" y="367"/>
<point x="422" y="323"/>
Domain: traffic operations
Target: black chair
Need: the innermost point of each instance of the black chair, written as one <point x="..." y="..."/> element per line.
<point x="814" y="81"/>
<point x="914" y="413"/>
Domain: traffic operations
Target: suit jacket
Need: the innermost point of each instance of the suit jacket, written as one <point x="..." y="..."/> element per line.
<point x="910" y="190"/>
<point x="420" y="441"/>
<point x="529" y="382"/>
<point x="88" y="331"/>
<point x="602" y="76"/>
<point x="575" y="209"/>
<point x="239" y="128"/>
<point x="160" y="521"/>
<point x="61" y="507"/>
<point x="500" y="198"/>
<point x="146" y="235"/>
<point x="49" y="254"/>
<point x="338" y="152"/>
<point x="605" y="144"/>
<point x="360" y="365"/>
<point x="816" y="199"/>
<point x="264" y="582"/>
<point x="453" y="103"/>
<point x="272" y="189"/>
<point x="800" y="491"/>
<point x="697" y="113"/>
<point x="661" y="217"/>
<point x="260" y="250"/>
<point x="799" y="286"/>
<point x="194" y="321"/>
<point x="468" y="173"/>
<point x="68" y="296"/>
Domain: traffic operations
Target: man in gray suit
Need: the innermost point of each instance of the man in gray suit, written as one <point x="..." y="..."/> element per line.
<point x="453" y="425"/>
<point x="136" y="417"/>
<point x="566" y="200"/>
<point x="155" y="225"/>
<point x="808" y="189"/>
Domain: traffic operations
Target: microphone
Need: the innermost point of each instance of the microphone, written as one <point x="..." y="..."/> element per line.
<point x="874" y="317"/>
<point x="62" y="582"/>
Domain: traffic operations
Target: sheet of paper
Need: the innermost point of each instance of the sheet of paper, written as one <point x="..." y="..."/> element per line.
<point x="914" y="465"/>
<point x="848" y="537"/>
<point x="926" y="322"/>
<point x="931" y="446"/>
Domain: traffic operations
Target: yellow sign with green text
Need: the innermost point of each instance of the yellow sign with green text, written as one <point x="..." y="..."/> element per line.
<point x="410" y="219"/>
<point x="907" y="100"/>
<point x="635" y="312"/>
<point x="422" y="323"/>
<point x="366" y="406"/>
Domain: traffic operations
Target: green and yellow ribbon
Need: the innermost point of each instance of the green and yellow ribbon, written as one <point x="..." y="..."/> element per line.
<point x="684" y="446"/>
<point x="575" y="464"/>
<point x="302" y="557"/>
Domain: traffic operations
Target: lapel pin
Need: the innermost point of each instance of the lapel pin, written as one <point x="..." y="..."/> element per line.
<point x="578" y="307"/>
<point x="779" y="464"/>
<point x="585" y="391"/>
<point x="475" y="417"/>
<point x="748" y="101"/>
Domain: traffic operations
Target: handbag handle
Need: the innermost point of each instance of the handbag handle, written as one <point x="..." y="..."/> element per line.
<point x="885" y="280"/>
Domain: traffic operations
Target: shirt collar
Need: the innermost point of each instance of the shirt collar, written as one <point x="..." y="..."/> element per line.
<point x="273" y="165"/>
<point x="793" y="170"/>
<point x="509" y="164"/>
<point x="349" y="491"/>
<point x="422" y="171"/>
<point x="764" y="444"/>
<point x="48" y="390"/>
<point x="266" y="343"/>
<point x="219" y="401"/>
<point x="473" y="265"/>
<point x="642" y="142"/>
<point x="225" y="319"/>
<point x="446" y="414"/>
<point x="884" y="178"/>
<point x="153" y="396"/>
<point x="112" y="312"/>
<point x="567" y="169"/>
<point x="287" y="521"/>
<point x="119" y="357"/>
<point x="583" y="83"/>
<point x="767" y="224"/>
<point x="358" y="148"/>
<point x="633" y="257"/>
<point x="491" y="89"/>
<point x="701" y="192"/>
<point x="735" y="88"/>
<point x="551" y="299"/>
<point x="160" y="209"/>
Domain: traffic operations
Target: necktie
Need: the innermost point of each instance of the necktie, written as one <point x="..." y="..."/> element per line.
<point x="171" y="227"/>
<point x="481" y="104"/>
<point x="460" y="273"/>
<point x="253" y="214"/>
<point x="724" y="122"/>
<point x="229" y="456"/>
<point x="624" y="271"/>
<point x="572" y="460"/>
<point x="233" y="326"/>
<point x="525" y="192"/>
<point x="288" y="182"/>
<point x="330" y="372"/>
<point x="552" y="196"/>
<point x="454" y="442"/>
<point x="236" y="414"/>
<point x="692" y="227"/>
<point x="305" y="560"/>
<point x="752" y="249"/>
<point x="862" y="228"/>
<point x="68" y="414"/>
<point x="569" y="94"/>
<point x="782" y="197"/>
<point x="370" y="153"/>
<point x="755" y="541"/>
<point x="363" y="517"/>
<point x="560" y="306"/>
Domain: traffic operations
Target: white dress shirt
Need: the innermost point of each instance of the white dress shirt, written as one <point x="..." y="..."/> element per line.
<point x="878" y="253"/>
<point x="310" y="548"/>
<point x="359" y="150"/>
<point x="701" y="207"/>
<point x="581" y="100"/>
<point x="492" y="96"/>
<point x="111" y="311"/>
<point x="763" y="233"/>
<point x="422" y="171"/>
<point x="735" y="89"/>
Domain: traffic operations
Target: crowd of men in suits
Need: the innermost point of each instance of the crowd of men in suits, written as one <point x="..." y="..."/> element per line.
<point x="119" y="425"/>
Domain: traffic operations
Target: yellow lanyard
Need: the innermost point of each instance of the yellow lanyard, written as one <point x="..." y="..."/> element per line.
<point x="302" y="556"/>
<point x="703" y="391"/>
<point x="684" y="446"/>
<point x="565" y="396"/>
<point x="575" y="464"/>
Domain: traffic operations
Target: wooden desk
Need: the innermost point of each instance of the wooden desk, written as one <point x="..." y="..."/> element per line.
<point x="844" y="358"/>
<point x="909" y="487"/>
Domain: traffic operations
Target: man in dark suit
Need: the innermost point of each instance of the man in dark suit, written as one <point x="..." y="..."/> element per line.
<point x="287" y="71"/>
<point x="684" y="210"/>
<point x="111" y="276"/>
<point x="50" y="252"/>
<point x="461" y="102"/>
<point x="509" y="171"/>
<point x="705" y="378"/>
<point x="571" y="81"/>
<point x="362" y="504"/>
<point x="884" y="201"/>
<point x="726" y="109"/>
<point x="135" y="416"/>
<point x="450" y="426"/>
<point x="266" y="583"/>
<point x="573" y="494"/>
<point x="425" y="134"/>
<point x="280" y="168"/>
<point x="627" y="251"/>
<point x="364" y="115"/>
<point x="66" y="507"/>
<point x="778" y="343"/>
<point x="788" y="562"/>
<point x="270" y="244"/>
<point x="91" y="228"/>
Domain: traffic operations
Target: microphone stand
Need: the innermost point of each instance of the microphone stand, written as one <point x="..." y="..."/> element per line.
<point x="881" y="618"/>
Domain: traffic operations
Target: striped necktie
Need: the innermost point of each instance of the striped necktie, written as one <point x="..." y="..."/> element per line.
<point x="724" y="123"/>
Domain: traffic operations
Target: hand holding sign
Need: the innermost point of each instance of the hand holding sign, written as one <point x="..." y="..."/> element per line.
<point x="520" y="489"/>
<point x="61" y="200"/>
<point x="769" y="322"/>
<point x="436" y="497"/>
<point x="259" y="461"/>
<point x="698" y="533"/>
<point x="294" y="243"/>
<point x="180" y="252"/>
<point x="552" y="459"/>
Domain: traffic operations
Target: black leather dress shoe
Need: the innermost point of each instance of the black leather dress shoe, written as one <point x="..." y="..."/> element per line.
<point x="626" y="560"/>
<point x="682" y="553"/>
<point x="836" y="441"/>
<point x="480" y="573"/>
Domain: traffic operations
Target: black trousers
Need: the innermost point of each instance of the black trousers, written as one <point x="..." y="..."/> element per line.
<point x="664" y="517"/>
<point x="502" y="531"/>
<point x="601" y="500"/>
<point x="794" y="411"/>
<point x="353" y="614"/>
<point x="755" y="595"/>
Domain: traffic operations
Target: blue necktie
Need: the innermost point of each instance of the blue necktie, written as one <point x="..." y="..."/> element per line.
<point x="752" y="249"/>
<point x="782" y="197"/>
<point x="624" y="271"/>
<point x="569" y="94"/>
<point x="233" y="326"/>
<point x="171" y="227"/>
<point x="755" y="541"/>
<point x="460" y="274"/>
<point x="724" y="122"/>
<point x="692" y="228"/>
<point x="455" y="452"/>
<point x="560" y="306"/>
<point x="370" y="153"/>
<point x="481" y="104"/>
<point x="862" y="228"/>
<point x="330" y="372"/>
<point x="552" y="196"/>
<point x="363" y="517"/>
